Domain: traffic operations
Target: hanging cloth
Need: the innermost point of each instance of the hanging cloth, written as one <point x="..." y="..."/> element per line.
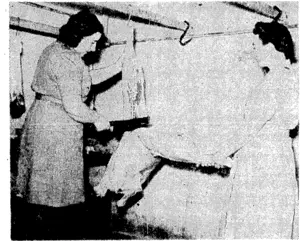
<point x="17" y="100"/>
<point x="134" y="83"/>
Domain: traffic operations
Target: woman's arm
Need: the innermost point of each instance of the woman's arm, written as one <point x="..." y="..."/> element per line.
<point x="69" y="73"/>
<point x="72" y="102"/>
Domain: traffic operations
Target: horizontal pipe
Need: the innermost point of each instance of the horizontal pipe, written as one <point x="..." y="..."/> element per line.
<point x="262" y="9"/>
<point x="125" y="11"/>
<point x="256" y="7"/>
<point x="47" y="7"/>
<point x="33" y="27"/>
<point x="49" y="31"/>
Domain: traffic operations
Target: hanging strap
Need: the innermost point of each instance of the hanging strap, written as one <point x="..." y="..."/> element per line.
<point x="21" y="68"/>
<point x="17" y="104"/>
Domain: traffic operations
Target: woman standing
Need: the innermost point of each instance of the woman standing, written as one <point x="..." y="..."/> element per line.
<point x="264" y="196"/>
<point x="50" y="167"/>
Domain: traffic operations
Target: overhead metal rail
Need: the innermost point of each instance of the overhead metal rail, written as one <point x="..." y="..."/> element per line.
<point x="124" y="11"/>
<point x="263" y="9"/>
<point x="118" y="10"/>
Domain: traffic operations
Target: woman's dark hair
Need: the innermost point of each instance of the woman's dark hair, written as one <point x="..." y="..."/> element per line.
<point x="93" y="57"/>
<point x="279" y="36"/>
<point x="79" y="25"/>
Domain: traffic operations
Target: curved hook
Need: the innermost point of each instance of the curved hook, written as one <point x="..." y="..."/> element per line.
<point x="183" y="35"/>
<point x="279" y="13"/>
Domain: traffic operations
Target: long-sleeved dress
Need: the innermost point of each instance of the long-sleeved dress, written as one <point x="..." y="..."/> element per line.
<point x="50" y="167"/>
<point x="263" y="201"/>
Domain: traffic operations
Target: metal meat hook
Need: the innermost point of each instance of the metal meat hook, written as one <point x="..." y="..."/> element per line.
<point x="279" y="13"/>
<point x="183" y="35"/>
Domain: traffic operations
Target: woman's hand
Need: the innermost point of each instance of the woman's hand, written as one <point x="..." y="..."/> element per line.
<point x="102" y="124"/>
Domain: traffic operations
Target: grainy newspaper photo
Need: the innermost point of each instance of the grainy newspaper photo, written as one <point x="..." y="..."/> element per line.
<point x="154" y="120"/>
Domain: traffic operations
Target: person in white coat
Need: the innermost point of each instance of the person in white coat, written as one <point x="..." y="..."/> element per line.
<point x="264" y="194"/>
